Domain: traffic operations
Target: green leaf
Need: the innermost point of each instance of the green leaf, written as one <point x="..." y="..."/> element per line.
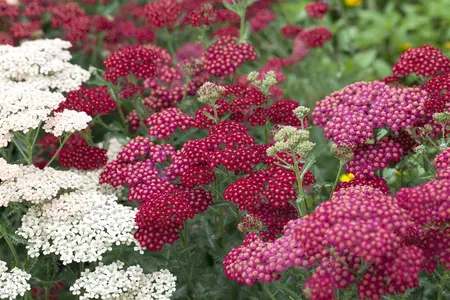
<point x="382" y="68"/>
<point x="366" y="58"/>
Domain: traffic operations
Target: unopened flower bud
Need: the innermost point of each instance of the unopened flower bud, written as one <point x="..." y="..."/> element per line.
<point x="442" y="118"/>
<point x="344" y="154"/>
<point x="210" y="92"/>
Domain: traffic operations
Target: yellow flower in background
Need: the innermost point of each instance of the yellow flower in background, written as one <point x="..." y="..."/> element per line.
<point x="353" y="3"/>
<point x="447" y="45"/>
<point x="346" y="177"/>
<point x="405" y="46"/>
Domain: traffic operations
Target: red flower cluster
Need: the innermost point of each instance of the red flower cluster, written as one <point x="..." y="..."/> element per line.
<point x="316" y="9"/>
<point x="204" y="15"/>
<point x="163" y="13"/>
<point x="76" y="152"/>
<point x="426" y="61"/>
<point x="163" y="124"/>
<point x="224" y="56"/>
<point x="315" y="37"/>
<point x="438" y="90"/>
<point x="134" y="60"/>
<point x="247" y="106"/>
<point x="262" y="19"/>
<point x="291" y="31"/>
<point x="374" y="182"/>
<point x="165" y="206"/>
<point x="93" y="101"/>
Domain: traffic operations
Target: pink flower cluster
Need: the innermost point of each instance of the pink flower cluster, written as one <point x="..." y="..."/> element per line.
<point x="350" y="116"/>
<point x="361" y="236"/>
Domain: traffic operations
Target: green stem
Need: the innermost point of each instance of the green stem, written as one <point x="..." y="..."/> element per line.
<point x="191" y="285"/>
<point x="10" y="245"/>
<point x="59" y="149"/>
<point x="268" y="292"/>
<point x="442" y="285"/>
<point x="20" y="150"/>
<point x="301" y="195"/>
<point x="341" y="165"/>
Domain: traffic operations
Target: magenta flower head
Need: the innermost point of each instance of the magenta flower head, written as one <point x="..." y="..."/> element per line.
<point x="133" y="60"/>
<point x="350" y="116"/>
<point x="426" y="61"/>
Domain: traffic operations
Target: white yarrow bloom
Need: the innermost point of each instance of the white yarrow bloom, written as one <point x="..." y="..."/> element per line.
<point x="67" y="121"/>
<point x="21" y="183"/>
<point x="23" y="108"/>
<point x="13" y="283"/>
<point x="43" y="64"/>
<point x="116" y="283"/>
<point x="79" y="226"/>
<point x="32" y="77"/>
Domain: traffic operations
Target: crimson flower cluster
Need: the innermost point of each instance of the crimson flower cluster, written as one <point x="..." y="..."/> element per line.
<point x="164" y="206"/>
<point x="76" y="153"/>
<point x="93" y="101"/>
<point x="248" y="106"/>
<point x="317" y="10"/>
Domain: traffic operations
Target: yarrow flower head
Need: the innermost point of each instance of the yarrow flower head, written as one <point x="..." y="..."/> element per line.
<point x="315" y="37"/>
<point x="316" y="9"/>
<point x="426" y="61"/>
<point x="224" y="56"/>
<point x="93" y="101"/>
<point x="289" y="138"/>
<point x="163" y="13"/>
<point x="67" y="121"/>
<point x="71" y="226"/>
<point x="42" y="64"/>
<point x="133" y="60"/>
<point x="210" y="92"/>
<point x="163" y="124"/>
<point x="113" y="281"/>
<point x="13" y="283"/>
<point x="21" y="183"/>
<point x="23" y="108"/>
<point x="350" y="116"/>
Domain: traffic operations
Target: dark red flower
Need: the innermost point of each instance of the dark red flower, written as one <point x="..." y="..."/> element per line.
<point x="134" y="60"/>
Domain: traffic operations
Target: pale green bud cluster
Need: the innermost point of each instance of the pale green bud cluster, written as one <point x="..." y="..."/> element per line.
<point x="253" y="76"/>
<point x="344" y="154"/>
<point x="442" y="118"/>
<point x="210" y="92"/>
<point x="264" y="84"/>
<point x="301" y="111"/>
<point x="421" y="149"/>
<point x="289" y="138"/>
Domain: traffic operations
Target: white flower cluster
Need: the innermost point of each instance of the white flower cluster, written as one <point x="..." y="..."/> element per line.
<point x="116" y="283"/>
<point x="13" y="283"/>
<point x="79" y="226"/>
<point x="42" y="64"/>
<point x="32" y="77"/>
<point x="22" y="108"/>
<point x="67" y="121"/>
<point x="27" y="183"/>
